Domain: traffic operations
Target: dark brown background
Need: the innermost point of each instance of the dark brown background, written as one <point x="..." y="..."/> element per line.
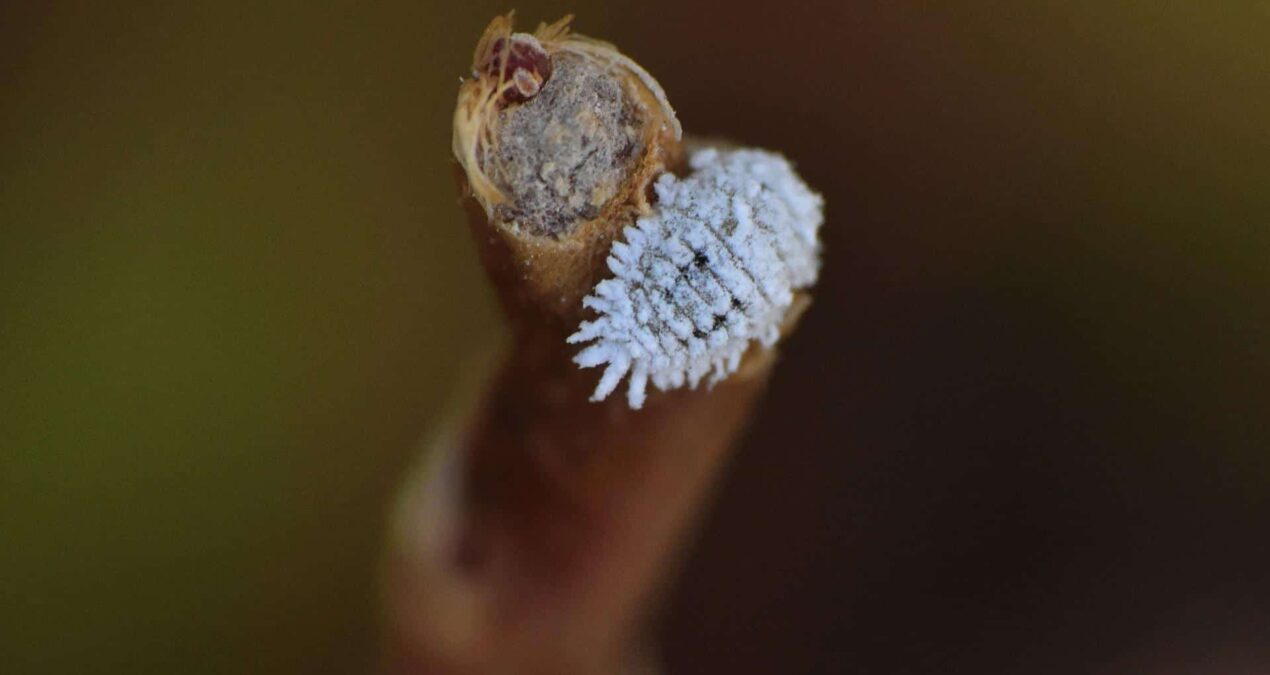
<point x="1022" y="429"/>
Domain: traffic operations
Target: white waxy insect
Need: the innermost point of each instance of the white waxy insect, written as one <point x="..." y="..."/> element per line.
<point x="714" y="267"/>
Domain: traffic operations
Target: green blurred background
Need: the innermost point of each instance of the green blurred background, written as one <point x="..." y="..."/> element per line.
<point x="1024" y="428"/>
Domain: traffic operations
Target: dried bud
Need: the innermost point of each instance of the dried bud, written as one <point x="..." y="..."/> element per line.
<point x="560" y="137"/>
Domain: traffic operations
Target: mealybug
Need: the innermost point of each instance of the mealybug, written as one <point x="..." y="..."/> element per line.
<point x="713" y="268"/>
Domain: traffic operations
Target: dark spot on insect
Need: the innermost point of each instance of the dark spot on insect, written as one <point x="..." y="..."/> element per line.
<point x="719" y="320"/>
<point x="736" y="304"/>
<point x="667" y="295"/>
<point x="698" y="333"/>
<point x="700" y="259"/>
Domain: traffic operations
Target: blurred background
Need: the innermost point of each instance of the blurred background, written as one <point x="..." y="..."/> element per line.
<point x="1022" y="429"/>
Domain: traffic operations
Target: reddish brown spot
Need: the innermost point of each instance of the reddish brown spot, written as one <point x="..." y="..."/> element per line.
<point x="650" y="193"/>
<point x="527" y="66"/>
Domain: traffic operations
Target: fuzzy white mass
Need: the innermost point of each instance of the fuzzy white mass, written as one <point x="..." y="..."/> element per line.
<point x="712" y="269"/>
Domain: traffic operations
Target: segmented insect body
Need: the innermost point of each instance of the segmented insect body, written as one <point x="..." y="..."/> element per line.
<point x="712" y="269"/>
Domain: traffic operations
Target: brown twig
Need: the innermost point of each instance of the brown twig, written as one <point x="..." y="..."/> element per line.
<point x="534" y="536"/>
